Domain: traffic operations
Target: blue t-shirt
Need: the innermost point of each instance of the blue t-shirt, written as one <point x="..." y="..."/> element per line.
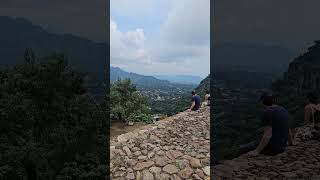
<point x="277" y="117"/>
<point x="196" y="99"/>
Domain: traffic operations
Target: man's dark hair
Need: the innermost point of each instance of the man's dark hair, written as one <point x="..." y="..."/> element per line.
<point x="267" y="99"/>
<point x="313" y="97"/>
<point x="193" y="92"/>
<point x="207" y="92"/>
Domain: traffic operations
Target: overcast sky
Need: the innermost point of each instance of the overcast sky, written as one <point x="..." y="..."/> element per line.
<point x="287" y="23"/>
<point x="86" y="18"/>
<point x="161" y="37"/>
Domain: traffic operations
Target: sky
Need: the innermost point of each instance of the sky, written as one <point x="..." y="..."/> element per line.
<point x="172" y="36"/>
<point x="290" y="24"/>
<point x="167" y="37"/>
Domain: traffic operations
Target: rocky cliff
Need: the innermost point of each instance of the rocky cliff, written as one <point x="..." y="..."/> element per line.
<point x="297" y="162"/>
<point x="304" y="71"/>
<point x="204" y="86"/>
<point x="303" y="74"/>
<point x="174" y="148"/>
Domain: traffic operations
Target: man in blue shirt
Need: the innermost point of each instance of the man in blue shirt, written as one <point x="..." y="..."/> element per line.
<point x="195" y="102"/>
<point x="276" y="128"/>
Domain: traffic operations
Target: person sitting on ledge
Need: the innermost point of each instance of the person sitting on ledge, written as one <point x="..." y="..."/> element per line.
<point x="207" y="98"/>
<point x="311" y="129"/>
<point x="275" y="120"/>
<point x="195" y="102"/>
<point x="312" y="111"/>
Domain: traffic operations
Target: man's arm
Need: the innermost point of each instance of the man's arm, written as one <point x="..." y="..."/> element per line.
<point x="267" y="134"/>
<point x="192" y="105"/>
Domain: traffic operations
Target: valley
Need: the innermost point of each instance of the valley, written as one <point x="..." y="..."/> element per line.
<point x="164" y="97"/>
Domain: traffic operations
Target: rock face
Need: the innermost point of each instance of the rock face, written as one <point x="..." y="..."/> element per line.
<point x="303" y="74"/>
<point x="204" y="85"/>
<point x="297" y="162"/>
<point x="175" y="148"/>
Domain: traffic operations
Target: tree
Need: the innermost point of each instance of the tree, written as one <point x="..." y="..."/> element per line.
<point x="126" y="102"/>
<point x="49" y="125"/>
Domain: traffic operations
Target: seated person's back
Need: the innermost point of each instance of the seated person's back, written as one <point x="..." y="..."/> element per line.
<point x="196" y="100"/>
<point x="207" y="98"/>
<point x="277" y="117"/>
<point x="312" y="110"/>
<point x="275" y="121"/>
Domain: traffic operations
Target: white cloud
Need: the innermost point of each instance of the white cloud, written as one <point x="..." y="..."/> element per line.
<point x="132" y="7"/>
<point x="185" y="36"/>
<point x="182" y="47"/>
<point x="127" y="47"/>
<point x="135" y="38"/>
<point x="188" y="22"/>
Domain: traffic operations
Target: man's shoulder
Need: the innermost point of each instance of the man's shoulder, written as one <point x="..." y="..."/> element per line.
<point x="275" y="108"/>
<point x="309" y="106"/>
<point x="271" y="111"/>
<point x="196" y="96"/>
<point x="283" y="109"/>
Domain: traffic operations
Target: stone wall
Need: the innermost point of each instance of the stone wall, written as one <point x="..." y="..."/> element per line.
<point x="174" y="148"/>
<point x="300" y="162"/>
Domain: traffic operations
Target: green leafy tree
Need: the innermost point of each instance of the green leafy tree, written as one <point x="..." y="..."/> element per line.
<point x="49" y="124"/>
<point x="126" y="102"/>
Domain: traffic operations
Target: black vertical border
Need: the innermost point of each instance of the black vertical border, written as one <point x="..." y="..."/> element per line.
<point x="107" y="86"/>
<point x="212" y="129"/>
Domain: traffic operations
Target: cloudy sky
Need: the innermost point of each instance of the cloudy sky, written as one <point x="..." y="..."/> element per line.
<point x="161" y="37"/>
<point x="286" y="23"/>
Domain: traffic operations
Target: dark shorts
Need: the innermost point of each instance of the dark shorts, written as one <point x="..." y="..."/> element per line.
<point x="195" y="109"/>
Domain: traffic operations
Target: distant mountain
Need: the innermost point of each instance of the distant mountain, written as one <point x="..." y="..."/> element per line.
<point x="302" y="76"/>
<point x="182" y="79"/>
<point x="141" y="80"/>
<point x="204" y="86"/>
<point x="246" y="79"/>
<point x="17" y="34"/>
<point x="251" y="58"/>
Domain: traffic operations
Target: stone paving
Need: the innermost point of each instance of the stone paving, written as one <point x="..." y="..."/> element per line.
<point x="172" y="149"/>
<point x="300" y="162"/>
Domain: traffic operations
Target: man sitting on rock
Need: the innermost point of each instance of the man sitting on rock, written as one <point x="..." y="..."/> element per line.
<point x="276" y="129"/>
<point x="195" y="102"/>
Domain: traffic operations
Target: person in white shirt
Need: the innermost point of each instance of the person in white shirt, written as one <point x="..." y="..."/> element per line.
<point x="207" y="98"/>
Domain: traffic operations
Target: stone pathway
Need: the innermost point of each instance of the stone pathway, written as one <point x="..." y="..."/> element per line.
<point x="297" y="162"/>
<point x="172" y="149"/>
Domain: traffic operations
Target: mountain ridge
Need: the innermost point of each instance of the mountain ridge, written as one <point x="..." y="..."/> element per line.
<point x="18" y="34"/>
<point x="183" y="79"/>
<point x="251" y="57"/>
<point x="138" y="79"/>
